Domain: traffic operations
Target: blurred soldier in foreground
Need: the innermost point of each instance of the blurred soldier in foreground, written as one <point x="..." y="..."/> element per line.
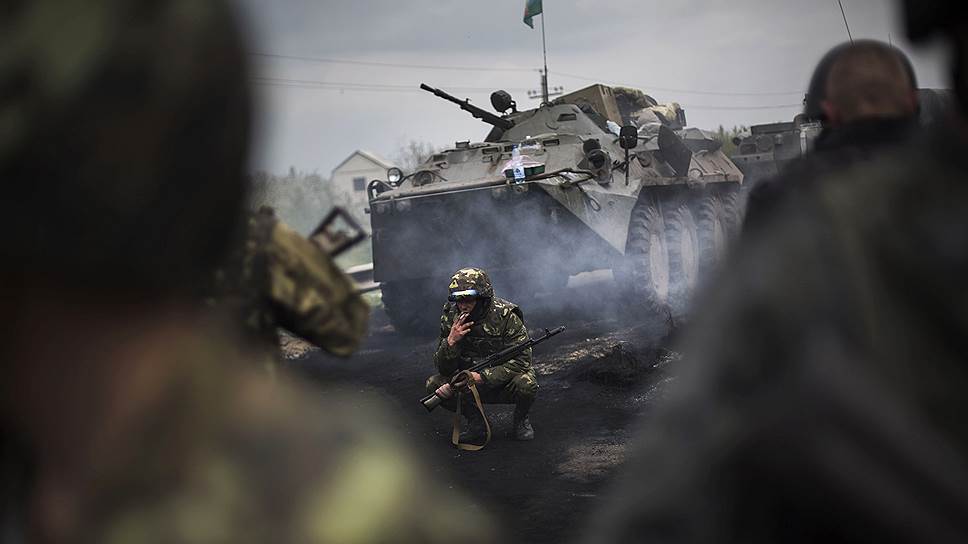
<point x="277" y="278"/>
<point x="476" y="324"/>
<point x="123" y="414"/>
<point x="823" y="397"/>
<point x="865" y="94"/>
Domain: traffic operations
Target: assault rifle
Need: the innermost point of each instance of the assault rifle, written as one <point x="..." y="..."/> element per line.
<point x="337" y="232"/>
<point x="432" y="400"/>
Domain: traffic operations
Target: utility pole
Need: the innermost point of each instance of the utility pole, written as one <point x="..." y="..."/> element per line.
<point x="544" y="52"/>
<point x="545" y="94"/>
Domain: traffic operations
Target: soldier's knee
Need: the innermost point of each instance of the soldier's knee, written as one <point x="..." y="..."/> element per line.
<point x="525" y="386"/>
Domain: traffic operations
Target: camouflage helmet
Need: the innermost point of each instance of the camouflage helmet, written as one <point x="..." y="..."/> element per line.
<point x="470" y="282"/>
<point x="123" y="141"/>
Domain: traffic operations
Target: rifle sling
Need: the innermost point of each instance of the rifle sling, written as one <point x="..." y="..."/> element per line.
<point x="455" y="434"/>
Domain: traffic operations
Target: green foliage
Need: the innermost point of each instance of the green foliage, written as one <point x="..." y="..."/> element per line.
<point x="726" y="137"/>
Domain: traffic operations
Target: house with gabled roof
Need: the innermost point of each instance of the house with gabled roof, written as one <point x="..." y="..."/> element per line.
<point x="351" y="177"/>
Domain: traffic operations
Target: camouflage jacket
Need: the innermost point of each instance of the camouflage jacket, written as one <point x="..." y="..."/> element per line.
<point x="278" y="278"/>
<point x="501" y="327"/>
<point x="222" y="455"/>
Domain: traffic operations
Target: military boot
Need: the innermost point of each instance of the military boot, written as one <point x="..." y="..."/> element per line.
<point x="475" y="432"/>
<point x="522" y="425"/>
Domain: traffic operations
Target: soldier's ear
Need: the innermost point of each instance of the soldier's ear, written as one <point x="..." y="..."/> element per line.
<point x="914" y="106"/>
<point x="832" y="114"/>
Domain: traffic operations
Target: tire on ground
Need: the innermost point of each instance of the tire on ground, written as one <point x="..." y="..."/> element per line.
<point x="645" y="271"/>
<point x="713" y="234"/>
<point x="682" y="240"/>
<point x="732" y="213"/>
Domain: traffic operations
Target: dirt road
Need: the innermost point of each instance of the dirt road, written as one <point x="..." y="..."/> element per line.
<point x="595" y="379"/>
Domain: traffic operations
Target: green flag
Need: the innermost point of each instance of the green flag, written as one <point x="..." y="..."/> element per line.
<point x="531" y="8"/>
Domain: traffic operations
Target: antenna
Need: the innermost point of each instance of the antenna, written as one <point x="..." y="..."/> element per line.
<point x="546" y="92"/>
<point x="844" y="15"/>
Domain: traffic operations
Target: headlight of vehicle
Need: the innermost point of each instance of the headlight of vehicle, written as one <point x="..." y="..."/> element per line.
<point x="394" y="175"/>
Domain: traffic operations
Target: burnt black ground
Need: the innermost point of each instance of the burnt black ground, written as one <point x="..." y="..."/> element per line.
<point x="544" y="490"/>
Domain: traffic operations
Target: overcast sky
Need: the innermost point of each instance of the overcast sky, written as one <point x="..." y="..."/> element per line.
<point x="718" y="59"/>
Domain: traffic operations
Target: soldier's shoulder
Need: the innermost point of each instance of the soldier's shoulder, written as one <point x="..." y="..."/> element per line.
<point x="505" y="309"/>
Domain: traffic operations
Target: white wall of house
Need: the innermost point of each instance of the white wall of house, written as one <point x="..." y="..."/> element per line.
<point x="350" y="179"/>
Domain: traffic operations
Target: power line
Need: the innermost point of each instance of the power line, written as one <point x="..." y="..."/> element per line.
<point x="312" y="83"/>
<point x="396" y="88"/>
<point x="392" y="64"/>
<point x="841" y="4"/>
<point x="742" y="108"/>
<point x="515" y="69"/>
<point x="683" y="91"/>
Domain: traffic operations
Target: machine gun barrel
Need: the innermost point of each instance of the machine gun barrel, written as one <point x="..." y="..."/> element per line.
<point x="478" y="113"/>
<point x="432" y="401"/>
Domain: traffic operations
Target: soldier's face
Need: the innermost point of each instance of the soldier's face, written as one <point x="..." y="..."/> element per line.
<point x="466" y="305"/>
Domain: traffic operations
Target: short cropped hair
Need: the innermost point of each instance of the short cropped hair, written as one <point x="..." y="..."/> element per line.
<point x="870" y="79"/>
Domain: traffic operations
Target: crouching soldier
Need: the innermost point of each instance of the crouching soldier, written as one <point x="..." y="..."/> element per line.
<point x="474" y="325"/>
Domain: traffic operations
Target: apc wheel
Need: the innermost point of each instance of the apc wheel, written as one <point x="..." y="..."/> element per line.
<point x="713" y="234"/>
<point x="682" y="238"/>
<point x="732" y="214"/>
<point x="645" y="274"/>
<point x="412" y="306"/>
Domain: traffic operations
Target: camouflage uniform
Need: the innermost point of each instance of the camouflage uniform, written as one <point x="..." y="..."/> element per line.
<point x="224" y="456"/>
<point x="822" y="397"/>
<point x="498" y="324"/>
<point x="277" y="278"/>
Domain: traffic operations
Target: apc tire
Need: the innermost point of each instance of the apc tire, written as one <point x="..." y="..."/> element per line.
<point x="732" y="214"/>
<point x="713" y="234"/>
<point x="682" y="240"/>
<point x="645" y="274"/>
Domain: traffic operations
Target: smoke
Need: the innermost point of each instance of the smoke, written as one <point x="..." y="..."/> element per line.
<point x="538" y="253"/>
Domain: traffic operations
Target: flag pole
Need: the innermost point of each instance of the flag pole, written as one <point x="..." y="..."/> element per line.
<point x="544" y="51"/>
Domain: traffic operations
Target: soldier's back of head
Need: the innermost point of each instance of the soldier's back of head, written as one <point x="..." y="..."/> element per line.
<point x="869" y="80"/>
<point x="123" y="134"/>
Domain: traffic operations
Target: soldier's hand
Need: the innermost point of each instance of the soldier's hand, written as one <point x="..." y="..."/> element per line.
<point x="458" y="330"/>
<point x="445" y="391"/>
<point x="465" y="378"/>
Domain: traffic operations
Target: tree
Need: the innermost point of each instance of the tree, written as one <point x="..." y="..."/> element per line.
<point x="726" y="137"/>
<point x="412" y="154"/>
<point x="300" y="199"/>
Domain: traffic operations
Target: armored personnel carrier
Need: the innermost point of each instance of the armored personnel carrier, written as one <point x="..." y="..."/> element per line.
<point x="552" y="192"/>
<point x="770" y="147"/>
